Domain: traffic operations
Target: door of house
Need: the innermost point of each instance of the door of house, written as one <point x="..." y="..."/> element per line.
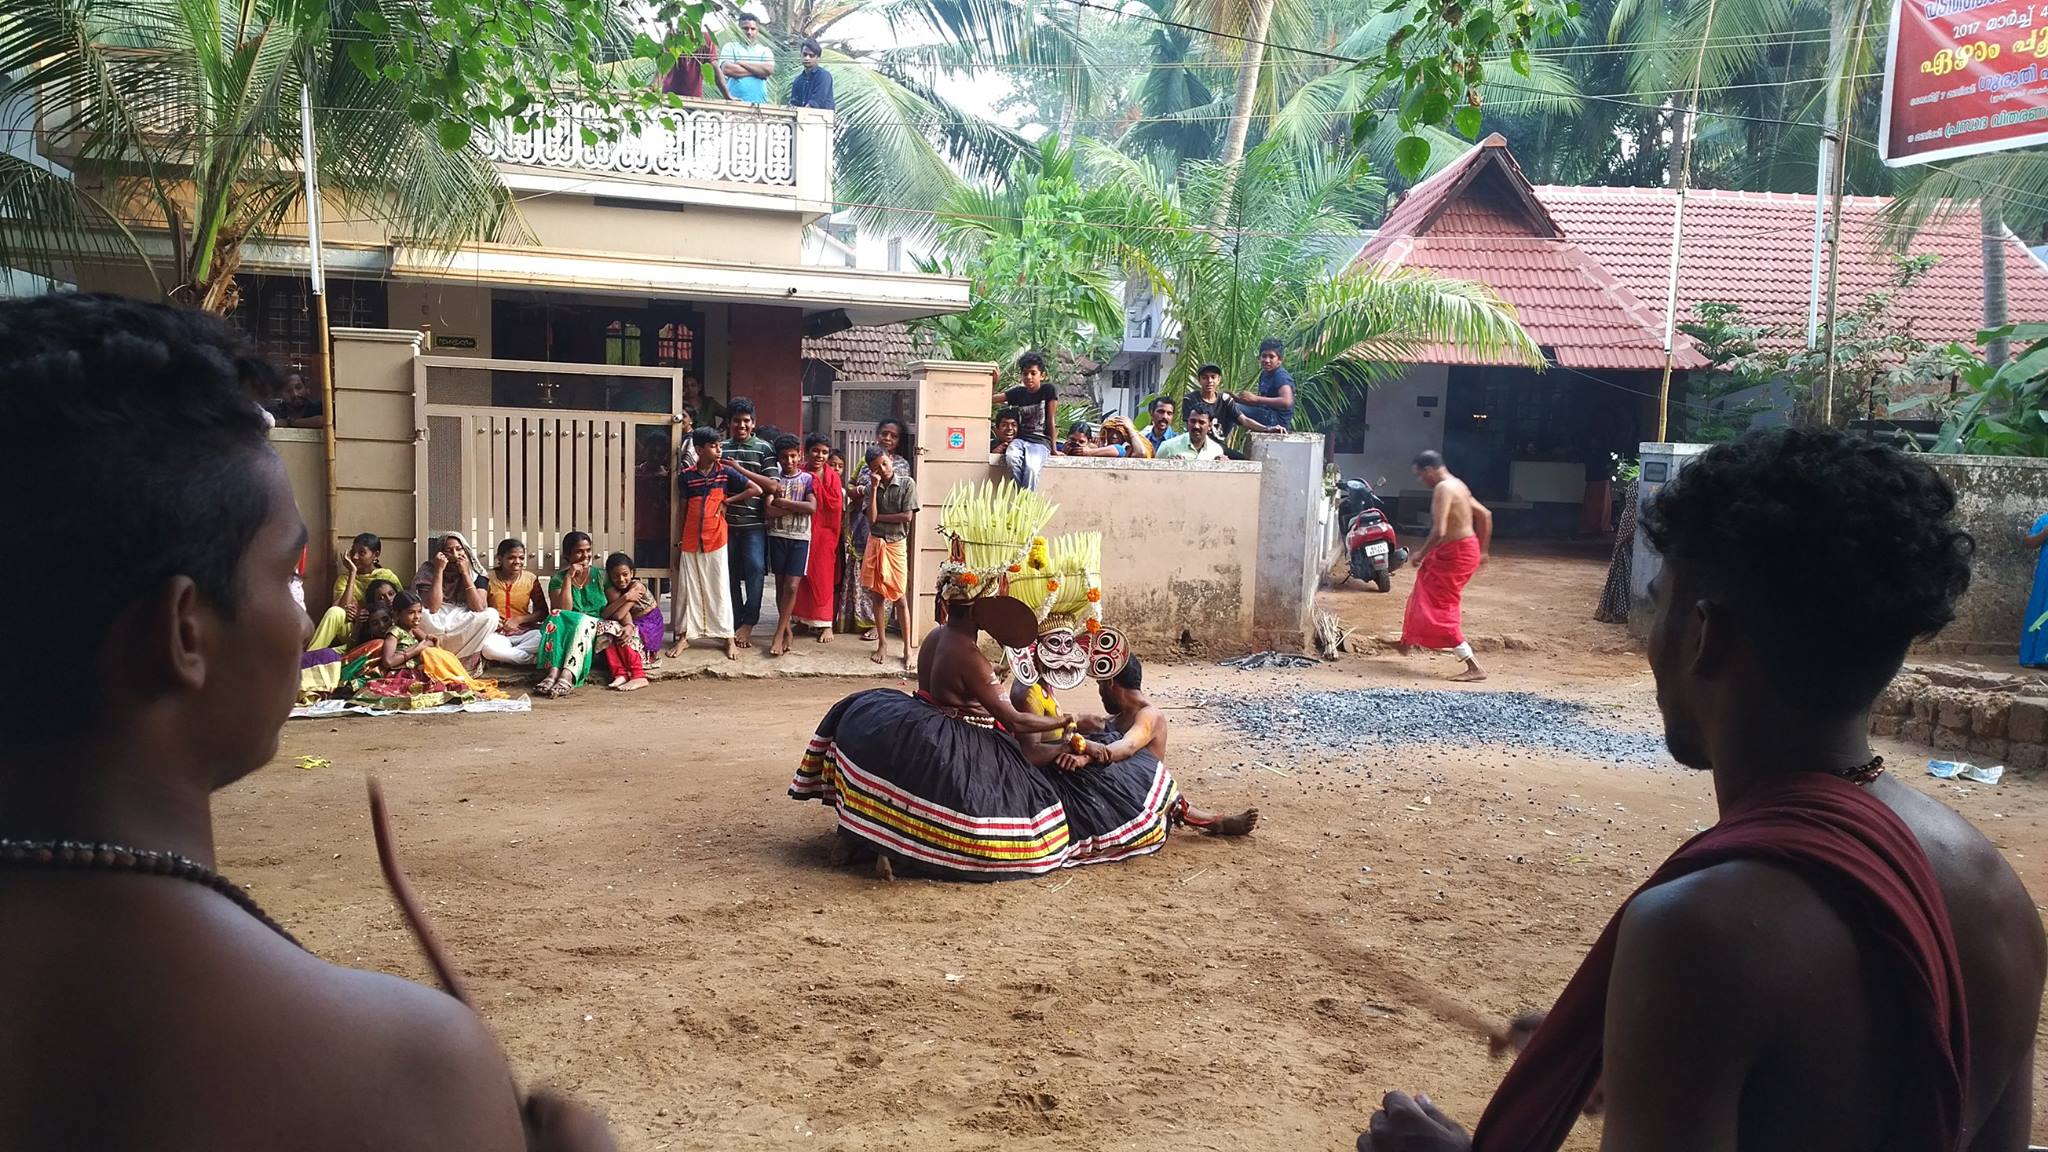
<point x="536" y="472"/>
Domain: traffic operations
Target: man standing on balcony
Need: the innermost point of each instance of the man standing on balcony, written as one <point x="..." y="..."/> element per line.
<point x="748" y="63"/>
<point x="686" y="79"/>
<point x="812" y="87"/>
<point x="749" y="564"/>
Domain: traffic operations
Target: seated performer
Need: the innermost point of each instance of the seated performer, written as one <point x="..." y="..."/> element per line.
<point x="1064" y="578"/>
<point x="931" y="779"/>
<point x="1136" y="727"/>
<point x="1841" y="963"/>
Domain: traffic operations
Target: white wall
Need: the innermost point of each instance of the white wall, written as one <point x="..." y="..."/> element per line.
<point x="1398" y="428"/>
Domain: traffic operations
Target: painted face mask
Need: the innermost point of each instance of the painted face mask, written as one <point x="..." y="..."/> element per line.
<point x="1063" y="580"/>
<point x="1064" y="657"/>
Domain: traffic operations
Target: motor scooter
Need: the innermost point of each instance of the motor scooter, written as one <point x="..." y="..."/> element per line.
<point x="1369" y="537"/>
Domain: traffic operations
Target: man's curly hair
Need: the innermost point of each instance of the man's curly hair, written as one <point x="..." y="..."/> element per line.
<point x="1832" y="552"/>
<point x="134" y="453"/>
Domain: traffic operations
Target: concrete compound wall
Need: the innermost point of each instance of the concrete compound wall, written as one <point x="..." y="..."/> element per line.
<point x="953" y="403"/>
<point x="377" y="440"/>
<point x="1180" y="545"/>
<point x="1290" y="531"/>
<point x="1997" y="499"/>
<point x="304" y="452"/>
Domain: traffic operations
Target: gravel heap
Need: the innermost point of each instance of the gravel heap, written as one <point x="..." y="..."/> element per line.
<point x="1392" y="716"/>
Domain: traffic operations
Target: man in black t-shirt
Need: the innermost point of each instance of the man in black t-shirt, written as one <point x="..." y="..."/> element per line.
<point x="1209" y="390"/>
<point x="1036" y="401"/>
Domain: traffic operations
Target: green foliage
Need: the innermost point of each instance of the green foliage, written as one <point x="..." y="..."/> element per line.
<point x="1036" y="250"/>
<point x="187" y="114"/>
<point x="1282" y="268"/>
<point x="459" y="68"/>
<point x="1734" y="364"/>
<point x="2003" y="413"/>
<point x="1438" y="58"/>
<point x="1877" y="358"/>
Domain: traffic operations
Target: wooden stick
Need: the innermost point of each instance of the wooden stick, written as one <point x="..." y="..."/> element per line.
<point x="1411" y="989"/>
<point x="409" y="904"/>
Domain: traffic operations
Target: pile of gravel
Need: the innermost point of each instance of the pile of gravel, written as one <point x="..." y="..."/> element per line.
<point x="1392" y="716"/>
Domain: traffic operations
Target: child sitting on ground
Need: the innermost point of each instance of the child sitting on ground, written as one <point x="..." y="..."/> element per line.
<point x="627" y="602"/>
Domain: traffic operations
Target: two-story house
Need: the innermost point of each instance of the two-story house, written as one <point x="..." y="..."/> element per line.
<point x="548" y="371"/>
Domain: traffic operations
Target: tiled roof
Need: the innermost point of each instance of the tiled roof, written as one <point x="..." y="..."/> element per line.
<point x="1755" y="249"/>
<point x="1479" y="220"/>
<point x="880" y="353"/>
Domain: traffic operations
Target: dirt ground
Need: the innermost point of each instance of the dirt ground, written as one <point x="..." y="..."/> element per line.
<point x="649" y="921"/>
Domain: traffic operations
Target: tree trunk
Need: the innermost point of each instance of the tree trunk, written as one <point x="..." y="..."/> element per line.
<point x="1248" y="81"/>
<point x="1993" y="228"/>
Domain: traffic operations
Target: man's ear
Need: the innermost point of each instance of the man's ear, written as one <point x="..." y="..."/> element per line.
<point x="160" y="641"/>
<point x="1712" y="638"/>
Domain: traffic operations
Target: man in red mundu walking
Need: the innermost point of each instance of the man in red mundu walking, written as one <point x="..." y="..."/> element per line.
<point x="1460" y="528"/>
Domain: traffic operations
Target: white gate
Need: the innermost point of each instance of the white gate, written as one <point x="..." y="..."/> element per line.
<point x="538" y="473"/>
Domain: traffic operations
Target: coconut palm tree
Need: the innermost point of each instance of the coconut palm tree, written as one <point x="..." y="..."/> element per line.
<point x="184" y="115"/>
<point x="1281" y="267"/>
<point x="902" y="148"/>
<point x="1327" y="98"/>
<point x="1036" y="246"/>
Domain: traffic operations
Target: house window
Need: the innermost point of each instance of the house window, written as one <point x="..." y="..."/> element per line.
<point x="622" y="342"/>
<point x="1119" y="378"/>
<point x="276" y="313"/>
<point x="675" y="346"/>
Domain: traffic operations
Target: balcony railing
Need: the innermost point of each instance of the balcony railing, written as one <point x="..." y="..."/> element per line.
<point x="722" y="143"/>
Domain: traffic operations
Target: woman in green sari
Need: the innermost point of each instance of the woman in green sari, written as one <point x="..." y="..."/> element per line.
<point x="569" y="640"/>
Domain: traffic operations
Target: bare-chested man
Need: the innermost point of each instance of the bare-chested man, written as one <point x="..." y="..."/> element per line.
<point x="1460" y="531"/>
<point x="1841" y="964"/>
<point x="952" y="671"/>
<point x="1140" y="726"/>
<point x="152" y="1007"/>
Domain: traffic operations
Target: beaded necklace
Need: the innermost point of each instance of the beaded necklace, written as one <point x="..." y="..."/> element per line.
<point x="104" y="857"/>
<point x="1861" y="773"/>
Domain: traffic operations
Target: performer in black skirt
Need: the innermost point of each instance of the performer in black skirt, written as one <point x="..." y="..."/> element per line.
<point x="939" y="779"/>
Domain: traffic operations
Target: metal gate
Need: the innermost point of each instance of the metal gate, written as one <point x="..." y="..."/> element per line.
<point x="536" y="474"/>
<point x="857" y="405"/>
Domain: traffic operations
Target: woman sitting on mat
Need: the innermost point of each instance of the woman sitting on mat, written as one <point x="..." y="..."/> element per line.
<point x="451" y="587"/>
<point x="570" y="638"/>
<point x="406" y="660"/>
<point x="514" y="593"/>
<point x="361" y="566"/>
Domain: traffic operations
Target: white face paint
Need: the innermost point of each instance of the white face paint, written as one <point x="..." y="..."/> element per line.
<point x="1063" y="658"/>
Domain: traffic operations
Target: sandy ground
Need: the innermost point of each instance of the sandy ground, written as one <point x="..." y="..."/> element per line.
<point x="649" y="921"/>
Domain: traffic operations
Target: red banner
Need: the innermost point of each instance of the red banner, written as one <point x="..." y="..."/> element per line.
<point x="1964" y="77"/>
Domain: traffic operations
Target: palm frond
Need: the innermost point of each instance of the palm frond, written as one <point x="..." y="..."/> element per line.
<point x="1940" y="192"/>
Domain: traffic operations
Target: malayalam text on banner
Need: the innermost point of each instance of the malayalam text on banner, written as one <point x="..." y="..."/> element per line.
<point x="1964" y="77"/>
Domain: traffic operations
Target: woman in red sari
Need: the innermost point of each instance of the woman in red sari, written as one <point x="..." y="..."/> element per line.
<point x="821" y="579"/>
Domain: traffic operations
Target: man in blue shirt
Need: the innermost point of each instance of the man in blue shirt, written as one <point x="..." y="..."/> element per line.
<point x="812" y="87"/>
<point x="1275" y="397"/>
<point x="748" y="64"/>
